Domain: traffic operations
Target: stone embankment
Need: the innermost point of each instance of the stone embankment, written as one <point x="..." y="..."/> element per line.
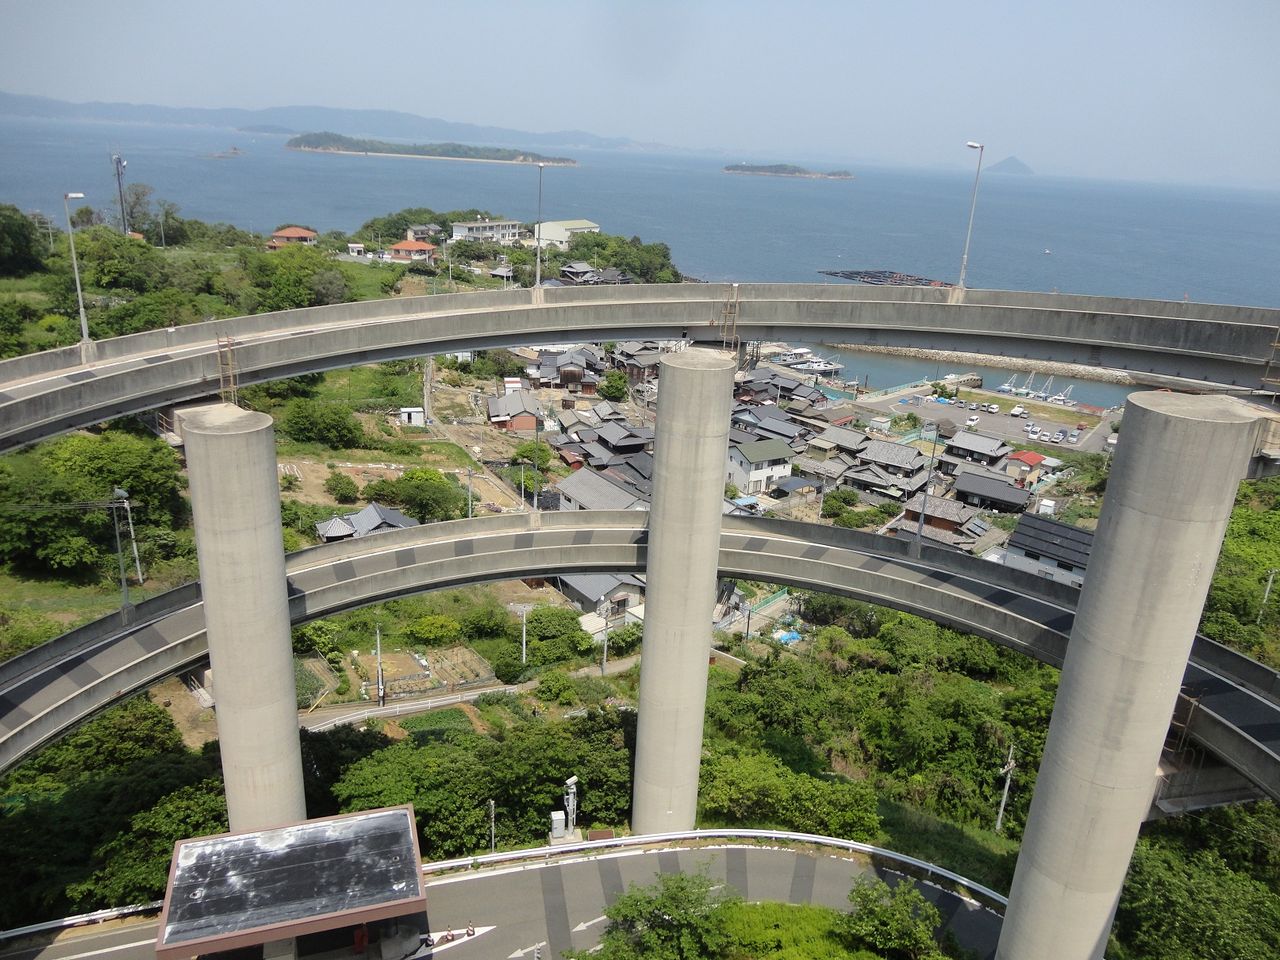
<point x="1076" y="370"/>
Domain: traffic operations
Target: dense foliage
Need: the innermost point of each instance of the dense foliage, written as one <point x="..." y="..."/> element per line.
<point x="54" y="502"/>
<point x="450" y="778"/>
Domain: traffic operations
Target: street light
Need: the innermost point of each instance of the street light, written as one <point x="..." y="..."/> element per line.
<point x="973" y="205"/>
<point x="75" y="267"/>
<point x="120" y="163"/>
<point x="537" y="234"/>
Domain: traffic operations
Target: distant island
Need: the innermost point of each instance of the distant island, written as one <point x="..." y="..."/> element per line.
<point x="785" y="170"/>
<point x="337" y="143"/>
<point x="1011" y="165"/>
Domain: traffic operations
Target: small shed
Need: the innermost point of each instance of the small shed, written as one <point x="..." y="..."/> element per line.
<point x="413" y="416"/>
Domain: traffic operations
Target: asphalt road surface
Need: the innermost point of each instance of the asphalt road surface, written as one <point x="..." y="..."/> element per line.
<point x="560" y="905"/>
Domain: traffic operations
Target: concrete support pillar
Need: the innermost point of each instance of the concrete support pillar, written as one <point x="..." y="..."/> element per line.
<point x="1168" y="500"/>
<point x="235" y="500"/>
<point x="695" y="390"/>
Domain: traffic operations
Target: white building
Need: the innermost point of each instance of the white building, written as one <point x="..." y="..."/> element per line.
<point x="757" y="467"/>
<point x="560" y="232"/>
<point x="505" y="232"/>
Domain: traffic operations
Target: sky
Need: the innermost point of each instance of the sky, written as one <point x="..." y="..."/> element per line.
<point x="1159" y="90"/>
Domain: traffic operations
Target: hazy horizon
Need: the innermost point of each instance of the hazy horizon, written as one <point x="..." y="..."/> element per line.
<point x="1171" y="92"/>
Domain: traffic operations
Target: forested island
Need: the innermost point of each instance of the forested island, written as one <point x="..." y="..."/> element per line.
<point x="337" y="143"/>
<point x="785" y="170"/>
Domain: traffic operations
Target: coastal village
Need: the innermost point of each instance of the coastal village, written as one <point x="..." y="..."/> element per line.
<point x="963" y="467"/>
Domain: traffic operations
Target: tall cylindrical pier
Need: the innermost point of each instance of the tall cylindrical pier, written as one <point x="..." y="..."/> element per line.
<point x="695" y="390"/>
<point x="235" y="502"/>
<point x="1168" y="500"/>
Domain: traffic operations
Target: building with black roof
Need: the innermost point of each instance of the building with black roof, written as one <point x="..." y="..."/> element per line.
<point x="1049" y="548"/>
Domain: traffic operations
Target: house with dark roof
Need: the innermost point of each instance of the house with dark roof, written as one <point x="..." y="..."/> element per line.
<point x="608" y="595"/>
<point x="969" y="447"/>
<point x="988" y="492"/>
<point x="375" y="518"/>
<point x="757" y="466"/>
<point x="517" y="410"/>
<point x="579" y="272"/>
<point x="1049" y="548"/>
<point x="889" y="469"/>
<point x="946" y="522"/>
<point x="589" y="490"/>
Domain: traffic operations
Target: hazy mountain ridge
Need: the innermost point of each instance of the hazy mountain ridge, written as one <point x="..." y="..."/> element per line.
<point x="1011" y="165"/>
<point x="298" y="119"/>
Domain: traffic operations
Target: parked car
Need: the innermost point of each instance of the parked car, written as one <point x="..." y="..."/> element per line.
<point x="1058" y="437"/>
<point x="971" y="422"/>
<point x="1073" y="436"/>
<point x="993" y="408"/>
<point x="1034" y="434"/>
<point x="1028" y="427"/>
<point x="973" y="405"/>
<point x="1018" y="411"/>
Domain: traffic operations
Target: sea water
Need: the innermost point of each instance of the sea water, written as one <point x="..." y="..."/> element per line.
<point x="1030" y="233"/>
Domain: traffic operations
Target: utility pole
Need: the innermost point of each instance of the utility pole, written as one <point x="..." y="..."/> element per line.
<point x="604" y="661"/>
<point x="1007" y="770"/>
<point x="382" y="687"/>
<point x="1271" y="575"/>
<point x="468" y="493"/>
<point x="524" y="635"/>
<point x="493" y="840"/>
<point x="123" y="495"/>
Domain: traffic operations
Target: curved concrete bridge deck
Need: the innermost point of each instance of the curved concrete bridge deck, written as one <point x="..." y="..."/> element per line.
<point x="1179" y="344"/>
<point x="48" y="690"/>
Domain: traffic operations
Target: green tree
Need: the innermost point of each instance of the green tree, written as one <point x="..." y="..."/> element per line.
<point x="625" y="639"/>
<point x="426" y="495"/>
<point x="135" y="862"/>
<point x="14" y="317"/>
<point x="614" y="386"/>
<point x="341" y="487"/>
<point x="112" y="261"/>
<point x="331" y="424"/>
<point x="435" y="630"/>
<point x="555" y="635"/>
<point x="679" y="917"/>
<point x="897" y="922"/>
<point x="19" y="243"/>
<point x="537" y="454"/>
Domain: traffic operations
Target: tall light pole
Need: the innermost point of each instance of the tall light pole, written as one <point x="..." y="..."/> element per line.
<point x="973" y="205"/>
<point x="75" y="266"/>
<point x="537" y="234"/>
<point x="120" y="163"/>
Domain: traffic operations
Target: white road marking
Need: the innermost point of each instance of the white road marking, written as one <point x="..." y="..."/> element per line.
<point x="120" y="946"/>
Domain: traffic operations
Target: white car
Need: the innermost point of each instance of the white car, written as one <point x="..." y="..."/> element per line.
<point x="972" y="421"/>
<point x="1073" y="436"/>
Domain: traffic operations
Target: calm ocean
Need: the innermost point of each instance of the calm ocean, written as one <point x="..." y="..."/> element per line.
<point x="1108" y="239"/>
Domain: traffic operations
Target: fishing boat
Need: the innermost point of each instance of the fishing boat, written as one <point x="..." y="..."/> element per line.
<point x="793" y="357"/>
<point x="1007" y="386"/>
<point x="818" y="365"/>
<point x="1043" y="392"/>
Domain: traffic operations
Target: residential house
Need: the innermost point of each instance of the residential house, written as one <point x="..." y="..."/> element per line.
<point x="1049" y="548"/>
<point x="758" y="466"/>
<point x="638" y="359"/>
<point x="987" y="492"/>
<point x="608" y="595"/>
<point x="559" y="232"/>
<point x="514" y="411"/>
<point x="355" y="249"/>
<point x="579" y="272"/>
<point x="889" y="469"/>
<point x="613" y="276"/>
<point x="946" y="522"/>
<point x="287" y="235"/>
<point x="1024" y="466"/>
<point x="375" y="518"/>
<point x="422" y="231"/>
<point x="409" y="250"/>
<point x="969" y="447"/>
<point x="505" y="232"/>
<point x="590" y="490"/>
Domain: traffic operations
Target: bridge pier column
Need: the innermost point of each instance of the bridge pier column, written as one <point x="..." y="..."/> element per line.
<point x="690" y="457"/>
<point x="235" y="502"/>
<point x="1168" y="500"/>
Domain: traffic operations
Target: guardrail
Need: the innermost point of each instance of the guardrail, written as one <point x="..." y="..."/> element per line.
<point x="407" y="706"/>
<point x="917" y="868"/>
<point x="921" y="868"/>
